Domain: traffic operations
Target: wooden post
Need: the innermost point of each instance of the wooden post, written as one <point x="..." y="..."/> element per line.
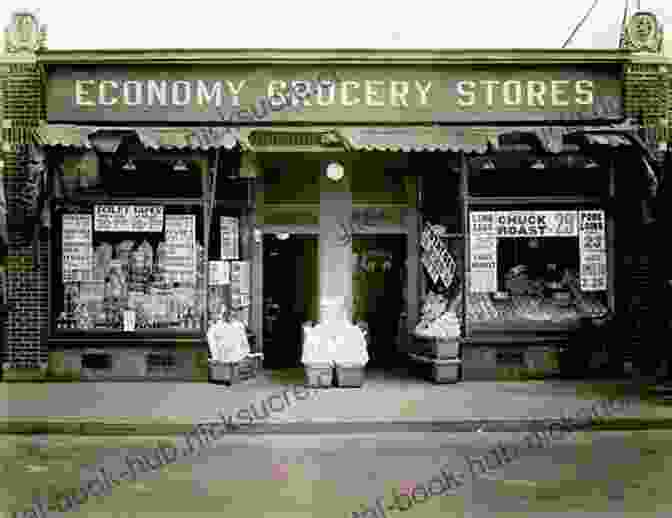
<point x="464" y="199"/>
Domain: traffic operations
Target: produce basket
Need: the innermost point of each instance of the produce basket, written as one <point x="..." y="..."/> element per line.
<point x="349" y="375"/>
<point x="319" y="375"/>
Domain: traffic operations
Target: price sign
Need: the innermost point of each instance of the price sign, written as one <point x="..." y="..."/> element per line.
<point x="592" y="245"/>
<point x="228" y="238"/>
<point x="77" y="246"/>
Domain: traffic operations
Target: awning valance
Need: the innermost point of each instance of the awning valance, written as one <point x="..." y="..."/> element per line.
<point x="188" y="138"/>
<point x="472" y="139"/>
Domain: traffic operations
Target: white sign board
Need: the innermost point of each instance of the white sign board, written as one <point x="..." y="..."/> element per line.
<point x="77" y="247"/>
<point x="593" y="249"/>
<point x="128" y="218"/>
<point x="180" y="246"/>
<point x="228" y="232"/>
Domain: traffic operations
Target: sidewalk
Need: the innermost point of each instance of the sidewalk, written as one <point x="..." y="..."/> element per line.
<point x="387" y="402"/>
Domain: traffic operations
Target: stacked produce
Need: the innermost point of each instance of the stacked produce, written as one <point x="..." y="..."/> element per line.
<point x="438" y="321"/>
<point x="517" y="282"/>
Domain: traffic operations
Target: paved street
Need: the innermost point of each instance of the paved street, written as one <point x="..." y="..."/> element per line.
<point x="332" y="475"/>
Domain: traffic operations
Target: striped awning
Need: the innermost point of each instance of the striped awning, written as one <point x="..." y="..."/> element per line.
<point x="188" y="138"/>
<point x="469" y="139"/>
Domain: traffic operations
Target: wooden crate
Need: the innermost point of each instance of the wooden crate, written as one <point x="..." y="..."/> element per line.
<point x="437" y="347"/>
<point x="229" y="373"/>
<point x="438" y="371"/>
<point x="349" y="375"/>
<point x="319" y="376"/>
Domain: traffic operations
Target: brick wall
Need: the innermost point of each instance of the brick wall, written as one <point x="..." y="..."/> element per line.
<point x="27" y="282"/>
<point x="648" y="98"/>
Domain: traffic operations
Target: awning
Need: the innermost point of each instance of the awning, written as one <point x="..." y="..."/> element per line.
<point x="187" y="138"/>
<point x="470" y="139"/>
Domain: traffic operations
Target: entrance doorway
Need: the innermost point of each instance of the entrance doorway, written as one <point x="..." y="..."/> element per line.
<point x="378" y="292"/>
<point x="290" y="288"/>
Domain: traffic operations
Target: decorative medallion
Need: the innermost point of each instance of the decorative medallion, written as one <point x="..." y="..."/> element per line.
<point x="644" y="33"/>
<point x="24" y="33"/>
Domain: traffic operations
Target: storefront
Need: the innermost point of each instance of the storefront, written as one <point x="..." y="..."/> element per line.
<point x="182" y="181"/>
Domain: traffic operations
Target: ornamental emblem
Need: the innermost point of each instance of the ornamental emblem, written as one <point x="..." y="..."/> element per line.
<point x="644" y="33"/>
<point x="24" y="33"/>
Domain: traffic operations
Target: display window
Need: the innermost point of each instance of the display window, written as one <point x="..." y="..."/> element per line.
<point x="128" y="267"/>
<point x="144" y="175"/>
<point x="519" y="171"/>
<point x="536" y="266"/>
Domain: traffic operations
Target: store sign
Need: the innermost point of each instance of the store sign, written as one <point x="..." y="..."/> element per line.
<point x="359" y="94"/>
<point x="128" y="218"/>
<point x="525" y="223"/>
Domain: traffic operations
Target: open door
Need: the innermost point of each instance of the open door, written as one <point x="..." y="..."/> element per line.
<point x="377" y="286"/>
<point x="290" y="296"/>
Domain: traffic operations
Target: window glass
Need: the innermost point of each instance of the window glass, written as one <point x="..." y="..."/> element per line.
<point x="523" y="173"/>
<point x="151" y="177"/>
<point x="113" y="278"/>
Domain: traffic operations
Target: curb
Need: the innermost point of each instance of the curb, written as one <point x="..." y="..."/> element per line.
<point x="107" y="428"/>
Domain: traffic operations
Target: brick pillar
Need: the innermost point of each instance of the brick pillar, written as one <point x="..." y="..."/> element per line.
<point x="22" y="110"/>
<point x="648" y="98"/>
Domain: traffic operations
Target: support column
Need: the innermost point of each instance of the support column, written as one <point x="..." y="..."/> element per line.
<point x="335" y="256"/>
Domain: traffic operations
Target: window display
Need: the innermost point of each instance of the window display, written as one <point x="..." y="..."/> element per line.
<point x="537" y="266"/>
<point x="443" y="266"/>
<point x="131" y="267"/>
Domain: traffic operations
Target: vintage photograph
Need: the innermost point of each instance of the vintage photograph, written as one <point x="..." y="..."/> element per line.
<point x="336" y="259"/>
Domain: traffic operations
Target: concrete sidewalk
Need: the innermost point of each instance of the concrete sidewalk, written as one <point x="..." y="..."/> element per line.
<point x="387" y="402"/>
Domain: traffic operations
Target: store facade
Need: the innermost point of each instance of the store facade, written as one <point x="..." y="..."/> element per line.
<point x="492" y="183"/>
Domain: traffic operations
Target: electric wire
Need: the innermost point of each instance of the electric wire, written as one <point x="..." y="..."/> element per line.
<point x="578" y="26"/>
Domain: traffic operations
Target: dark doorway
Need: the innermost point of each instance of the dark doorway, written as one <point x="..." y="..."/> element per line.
<point x="290" y="296"/>
<point x="378" y="294"/>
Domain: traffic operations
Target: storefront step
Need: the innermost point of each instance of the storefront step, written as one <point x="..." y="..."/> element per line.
<point x="490" y="363"/>
<point x="124" y="364"/>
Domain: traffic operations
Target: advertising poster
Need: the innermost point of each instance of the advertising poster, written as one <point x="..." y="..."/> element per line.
<point x="228" y="228"/>
<point x="483" y="263"/>
<point x="77" y="245"/>
<point x="593" y="271"/>
<point x="542" y="223"/>
<point x="219" y="273"/>
<point x="146" y="219"/>
<point x="180" y="246"/>
<point x="593" y="250"/>
<point x="483" y="252"/>
<point x="240" y="276"/>
<point x="128" y="218"/>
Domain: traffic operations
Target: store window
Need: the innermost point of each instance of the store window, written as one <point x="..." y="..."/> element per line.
<point x="146" y="176"/>
<point x="128" y="267"/>
<point x="520" y="171"/>
<point x="537" y="266"/>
